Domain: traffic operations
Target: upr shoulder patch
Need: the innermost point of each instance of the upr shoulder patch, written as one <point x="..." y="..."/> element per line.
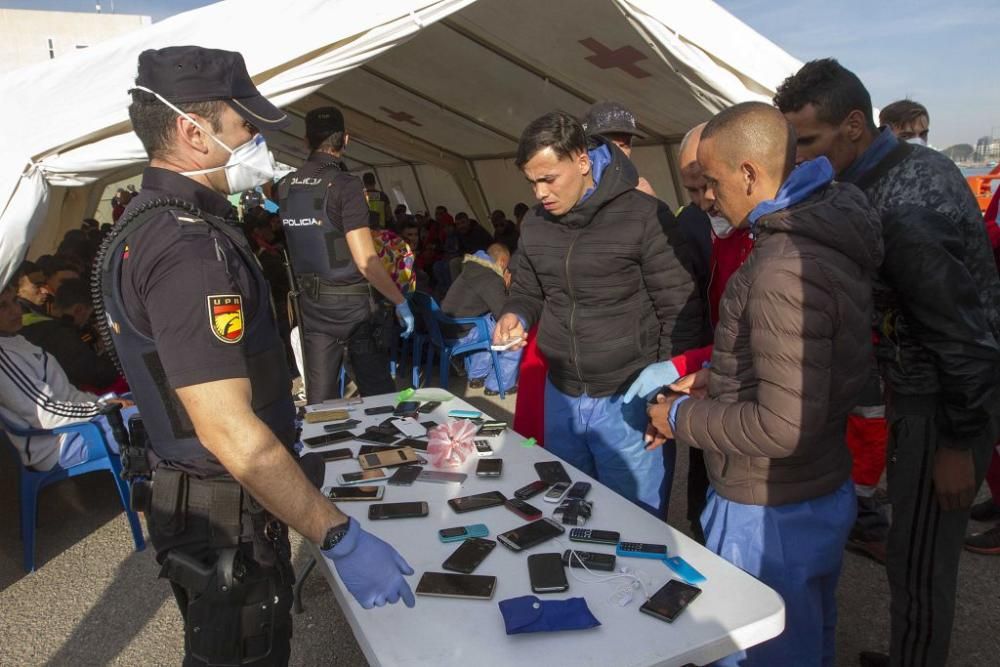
<point x="225" y="312"/>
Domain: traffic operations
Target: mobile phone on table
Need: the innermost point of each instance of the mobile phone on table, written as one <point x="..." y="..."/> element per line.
<point x="429" y="424"/>
<point x="547" y="573"/>
<point x="348" y="493"/>
<point x="328" y="438"/>
<point x="554" y="494"/>
<point x="387" y="459"/>
<point x="578" y="491"/>
<point x="523" y="509"/>
<point x="595" y="536"/>
<point x="489" y="468"/>
<point x="531" y="490"/>
<point x="478" y="501"/>
<point x="341" y="426"/>
<point x="590" y="560"/>
<point x="465" y="414"/>
<point x="668" y="602"/>
<point x="405" y="475"/>
<point x="397" y="511"/>
<point x="362" y="477"/>
<point x="337" y="454"/>
<point x="406" y="408"/>
<point x="371" y="449"/>
<point x="380" y="410"/>
<point x="483" y="448"/>
<point x="460" y="533"/>
<point x="317" y="416"/>
<point x="469" y="555"/>
<point x="552" y="472"/>
<point x="492" y="429"/>
<point x="451" y="585"/>
<point x="429" y="407"/>
<point x="439" y="477"/>
<point x="530" y="534"/>
<point x="413" y="443"/>
<point x="640" y="550"/>
<point x="377" y="437"/>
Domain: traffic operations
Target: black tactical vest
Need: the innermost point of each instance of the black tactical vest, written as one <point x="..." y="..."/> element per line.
<point x="171" y="434"/>
<point x="316" y="246"/>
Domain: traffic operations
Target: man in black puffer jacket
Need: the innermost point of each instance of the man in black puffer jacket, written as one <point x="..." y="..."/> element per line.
<point x="605" y="272"/>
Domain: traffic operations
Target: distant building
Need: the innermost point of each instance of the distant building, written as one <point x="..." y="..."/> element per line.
<point x="987" y="149"/>
<point x="30" y="36"/>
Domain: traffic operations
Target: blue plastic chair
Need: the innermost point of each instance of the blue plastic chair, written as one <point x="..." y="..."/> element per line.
<point x="433" y="317"/>
<point x="99" y="457"/>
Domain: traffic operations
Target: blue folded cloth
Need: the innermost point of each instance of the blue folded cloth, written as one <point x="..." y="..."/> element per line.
<point x="529" y="614"/>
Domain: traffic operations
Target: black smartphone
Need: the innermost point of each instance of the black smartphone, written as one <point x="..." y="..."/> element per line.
<point x="578" y="491"/>
<point x="449" y="585"/>
<point x="547" y="573"/>
<point x="381" y="410"/>
<point x="341" y="426"/>
<point x="406" y="408"/>
<point x="478" y="501"/>
<point x="405" y="475"/>
<point x="328" y="438"/>
<point x="345" y="493"/>
<point x="530" y="534"/>
<point x="491" y="431"/>
<point x="397" y="510"/>
<point x="429" y="424"/>
<point x="531" y="490"/>
<point x="523" y="509"/>
<point x="489" y="468"/>
<point x="428" y="407"/>
<point x="552" y="472"/>
<point x="589" y="559"/>
<point x="369" y="449"/>
<point x="469" y="555"/>
<point x="415" y="443"/>
<point x="337" y="454"/>
<point x="595" y="536"/>
<point x="380" y="438"/>
<point x="668" y="602"/>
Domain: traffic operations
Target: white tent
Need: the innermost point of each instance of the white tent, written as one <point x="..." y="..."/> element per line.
<point x="435" y="93"/>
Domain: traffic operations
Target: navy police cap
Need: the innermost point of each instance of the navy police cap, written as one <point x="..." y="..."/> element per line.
<point x="186" y="74"/>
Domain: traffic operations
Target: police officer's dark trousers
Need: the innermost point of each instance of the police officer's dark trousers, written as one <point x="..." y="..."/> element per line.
<point x="925" y="543"/>
<point x="228" y="562"/>
<point x="334" y="321"/>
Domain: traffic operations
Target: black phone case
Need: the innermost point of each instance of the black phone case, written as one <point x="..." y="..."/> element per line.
<point x="547" y="573"/>
<point x="376" y="512"/>
<point x="473" y="548"/>
<point x="328" y="438"/>
<point x="336" y="455"/>
<point x="405" y="475"/>
<point x="552" y="472"/>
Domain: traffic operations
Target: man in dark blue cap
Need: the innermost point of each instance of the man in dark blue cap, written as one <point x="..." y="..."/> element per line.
<point x="187" y="310"/>
<point x="325" y="216"/>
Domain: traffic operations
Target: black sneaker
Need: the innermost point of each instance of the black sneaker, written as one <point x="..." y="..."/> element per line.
<point x="986" y="542"/>
<point x="873" y="659"/>
<point x="476" y="383"/>
<point x="509" y="392"/>
<point x="985" y="511"/>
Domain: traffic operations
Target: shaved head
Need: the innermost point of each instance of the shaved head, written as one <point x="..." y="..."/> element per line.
<point x="753" y="131"/>
<point x="689" y="145"/>
<point x="691" y="176"/>
<point x="745" y="154"/>
<point x="498" y="251"/>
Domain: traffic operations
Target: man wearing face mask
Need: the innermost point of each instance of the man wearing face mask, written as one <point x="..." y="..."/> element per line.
<point x="325" y="216"/>
<point x="188" y="312"/>
<point x="908" y="120"/>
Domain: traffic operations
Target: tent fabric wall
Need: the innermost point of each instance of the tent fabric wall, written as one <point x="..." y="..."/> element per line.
<point x="445" y="85"/>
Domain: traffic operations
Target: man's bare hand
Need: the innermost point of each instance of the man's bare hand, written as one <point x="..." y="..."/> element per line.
<point x="659" y="431"/>
<point x="122" y="402"/>
<point x="694" y="385"/>
<point x="954" y="478"/>
<point x="509" y="328"/>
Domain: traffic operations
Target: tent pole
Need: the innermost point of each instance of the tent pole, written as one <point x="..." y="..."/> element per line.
<point x="674" y="175"/>
<point x="485" y="222"/>
<point x="420" y="188"/>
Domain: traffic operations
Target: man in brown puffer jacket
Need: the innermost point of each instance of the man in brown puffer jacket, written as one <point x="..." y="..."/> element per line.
<point x="791" y="356"/>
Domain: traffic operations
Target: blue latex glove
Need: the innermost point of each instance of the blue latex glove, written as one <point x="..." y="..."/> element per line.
<point x="651" y="379"/>
<point x="371" y="569"/>
<point x="405" y="317"/>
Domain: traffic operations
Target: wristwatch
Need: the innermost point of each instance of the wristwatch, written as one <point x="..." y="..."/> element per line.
<point x="335" y="535"/>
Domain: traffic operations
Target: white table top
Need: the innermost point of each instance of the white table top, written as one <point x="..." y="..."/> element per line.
<point x="734" y="611"/>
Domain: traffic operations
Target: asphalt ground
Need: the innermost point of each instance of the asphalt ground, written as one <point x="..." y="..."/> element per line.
<point x="93" y="600"/>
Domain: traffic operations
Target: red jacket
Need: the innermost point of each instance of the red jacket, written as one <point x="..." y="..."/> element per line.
<point x="992" y="230"/>
<point x="728" y="254"/>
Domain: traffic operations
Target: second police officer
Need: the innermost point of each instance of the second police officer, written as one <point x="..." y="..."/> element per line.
<point x="326" y="220"/>
<point x="189" y="314"/>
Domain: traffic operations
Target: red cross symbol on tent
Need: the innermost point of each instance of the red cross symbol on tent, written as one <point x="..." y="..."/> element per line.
<point x="624" y="58"/>
<point x="400" y="116"/>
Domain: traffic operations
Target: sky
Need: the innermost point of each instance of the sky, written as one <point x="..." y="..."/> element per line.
<point x="940" y="53"/>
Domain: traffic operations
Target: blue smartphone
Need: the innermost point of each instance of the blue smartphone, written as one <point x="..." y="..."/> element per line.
<point x="465" y="414"/>
<point x="463" y="532"/>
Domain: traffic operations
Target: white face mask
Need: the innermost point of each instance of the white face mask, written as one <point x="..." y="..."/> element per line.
<point x="917" y="141"/>
<point x="249" y="165"/>
<point x="720" y="226"/>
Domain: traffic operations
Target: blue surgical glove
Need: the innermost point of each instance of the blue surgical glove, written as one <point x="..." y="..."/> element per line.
<point x="370" y="568"/>
<point x="405" y="317"/>
<point x="651" y="379"/>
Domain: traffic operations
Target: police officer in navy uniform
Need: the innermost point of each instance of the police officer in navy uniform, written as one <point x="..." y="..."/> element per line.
<point x="325" y="216"/>
<point x="190" y="318"/>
